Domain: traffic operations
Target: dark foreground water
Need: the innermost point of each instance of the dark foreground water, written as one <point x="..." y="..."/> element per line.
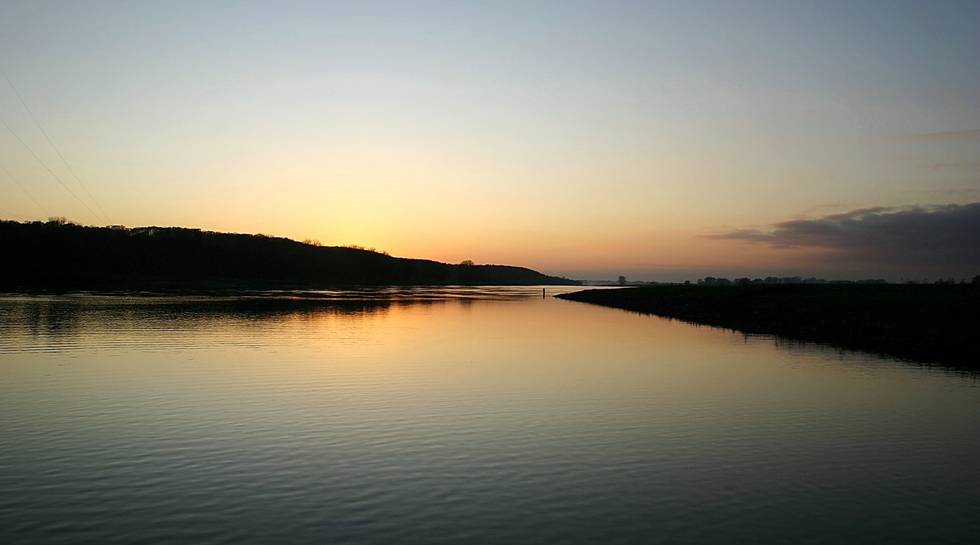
<point x="463" y="416"/>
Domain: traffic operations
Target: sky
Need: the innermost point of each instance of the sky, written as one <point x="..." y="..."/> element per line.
<point x="657" y="140"/>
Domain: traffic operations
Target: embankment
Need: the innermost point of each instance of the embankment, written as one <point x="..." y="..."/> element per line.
<point x="930" y="324"/>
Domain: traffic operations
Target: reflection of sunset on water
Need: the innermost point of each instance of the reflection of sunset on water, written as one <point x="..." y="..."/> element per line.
<point x="461" y="412"/>
<point x="300" y="272"/>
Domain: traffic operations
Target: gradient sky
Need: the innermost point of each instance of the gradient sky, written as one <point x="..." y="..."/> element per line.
<point x="588" y="139"/>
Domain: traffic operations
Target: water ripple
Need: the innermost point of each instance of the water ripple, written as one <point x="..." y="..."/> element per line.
<point x="466" y="415"/>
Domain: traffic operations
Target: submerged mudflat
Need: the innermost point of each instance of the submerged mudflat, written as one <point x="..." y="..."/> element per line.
<point x="938" y="323"/>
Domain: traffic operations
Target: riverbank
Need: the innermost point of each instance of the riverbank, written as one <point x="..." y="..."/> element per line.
<point x="929" y="324"/>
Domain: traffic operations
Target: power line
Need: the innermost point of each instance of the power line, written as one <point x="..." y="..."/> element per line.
<point x="49" y="170"/>
<point x="16" y="181"/>
<point x="16" y="92"/>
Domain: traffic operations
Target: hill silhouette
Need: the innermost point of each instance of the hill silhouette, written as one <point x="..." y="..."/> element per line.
<point x="60" y="256"/>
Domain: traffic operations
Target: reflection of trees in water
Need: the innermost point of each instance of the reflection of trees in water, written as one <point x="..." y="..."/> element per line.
<point x="59" y="317"/>
<point x="55" y="317"/>
<point x="46" y="317"/>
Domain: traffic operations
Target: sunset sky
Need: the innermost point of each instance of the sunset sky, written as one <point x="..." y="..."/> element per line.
<point x="657" y="140"/>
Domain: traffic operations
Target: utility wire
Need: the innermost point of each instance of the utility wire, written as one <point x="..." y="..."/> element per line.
<point x="106" y="216"/>
<point x="16" y="181"/>
<point x="49" y="170"/>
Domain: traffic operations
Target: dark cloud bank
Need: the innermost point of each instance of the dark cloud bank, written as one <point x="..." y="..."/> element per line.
<point x="943" y="240"/>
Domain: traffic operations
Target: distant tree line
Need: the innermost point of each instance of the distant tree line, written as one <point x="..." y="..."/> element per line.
<point x="769" y="280"/>
<point x="58" y="255"/>
<point x="712" y="281"/>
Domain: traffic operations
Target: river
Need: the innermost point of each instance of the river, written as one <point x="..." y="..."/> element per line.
<point x="462" y="415"/>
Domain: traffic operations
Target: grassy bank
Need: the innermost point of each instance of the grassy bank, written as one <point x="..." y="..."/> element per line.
<point x="923" y="323"/>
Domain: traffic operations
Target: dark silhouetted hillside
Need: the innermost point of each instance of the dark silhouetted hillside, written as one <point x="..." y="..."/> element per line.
<point x="59" y="256"/>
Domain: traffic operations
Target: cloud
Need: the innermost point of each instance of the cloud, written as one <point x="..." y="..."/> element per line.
<point x="816" y="207"/>
<point x="922" y="237"/>
<point x="937" y="166"/>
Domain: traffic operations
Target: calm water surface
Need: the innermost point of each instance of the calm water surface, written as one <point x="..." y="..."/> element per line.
<point x="462" y="416"/>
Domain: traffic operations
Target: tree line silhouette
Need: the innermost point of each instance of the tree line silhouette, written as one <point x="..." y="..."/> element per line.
<point x="59" y="256"/>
